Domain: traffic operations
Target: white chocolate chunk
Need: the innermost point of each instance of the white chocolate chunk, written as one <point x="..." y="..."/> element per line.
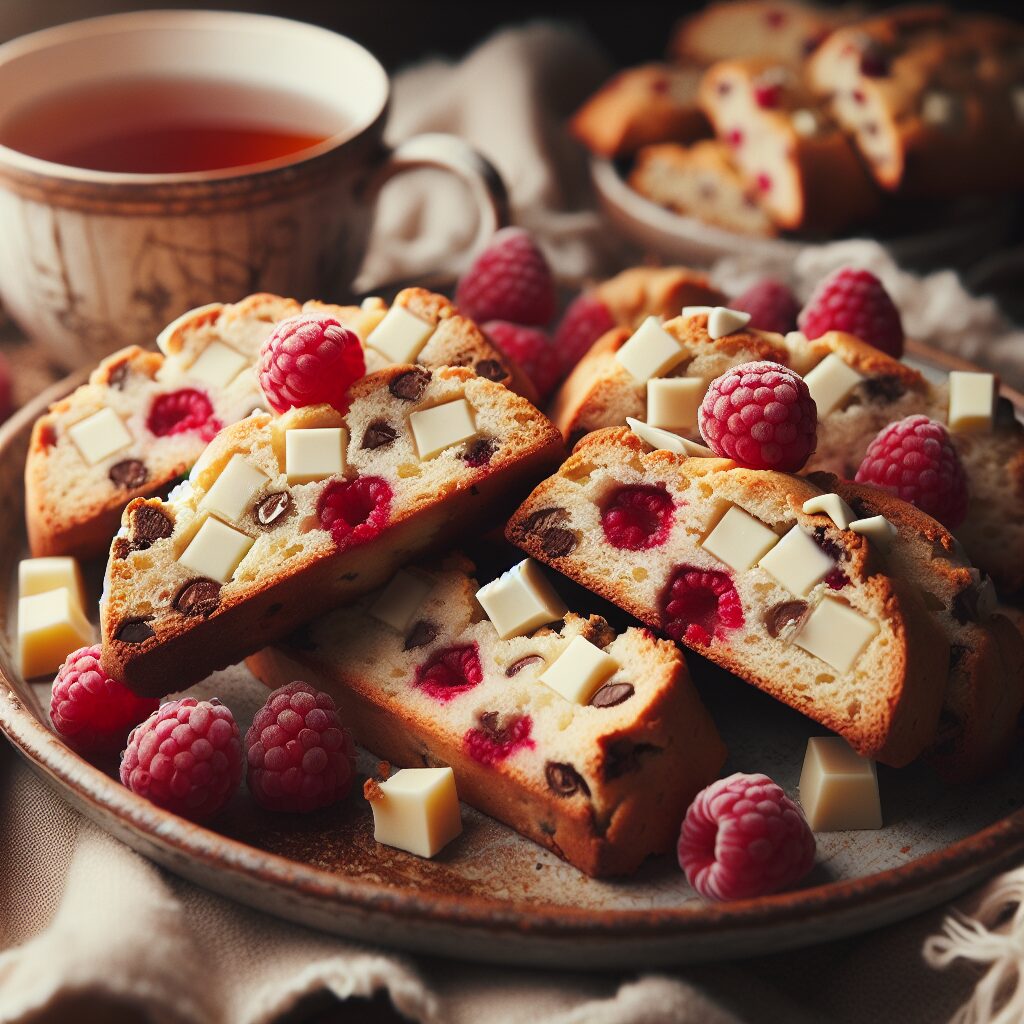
<point x="802" y="356"/>
<point x="50" y="626"/>
<point x="521" y="600"/>
<point x="400" y="336"/>
<point x="442" y="426"/>
<point x="218" y="365"/>
<point x="723" y="321"/>
<point x="314" y="453"/>
<point x="664" y="440"/>
<point x="100" y="435"/>
<point x="805" y="123"/>
<point x="877" y="529"/>
<point x="797" y="562"/>
<point x="692" y="311"/>
<point x="236" y="486"/>
<point x="38" y="575"/>
<point x="833" y="506"/>
<point x="579" y="671"/>
<point x="838" y="787"/>
<point x="830" y="382"/>
<point x="740" y="540"/>
<point x="672" y="402"/>
<point x="972" y="402"/>
<point x="216" y="550"/>
<point x="835" y="633"/>
<point x="650" y="352"/>
<point x="417" y="810"/>
<point x="397" y="604"/>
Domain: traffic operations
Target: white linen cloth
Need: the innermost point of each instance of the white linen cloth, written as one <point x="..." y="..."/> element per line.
<point x="91" y="931"/>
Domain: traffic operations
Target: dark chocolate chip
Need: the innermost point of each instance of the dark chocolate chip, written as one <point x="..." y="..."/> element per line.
<point x="117" y="376"/>
<point x="517" y="666"/>
<point x="200" y="597"/>
<point x="420" y="635"/>
<point x="136" y="631"/>
<point x="612" y="694"/>
<point x="558" y="543"/>
<point x="129" y="474"/>
<point x="378" y="434"/>
<point x="554" y="539"/>
<point x="564" y="780"/>
<point x="272" y="508"/>
<point x="491" y="369"/>
<point x="479" y="452"/>
<point x="780" y="615"/>
<point x="1006" y="414"/>
<point x="624" y="757"/>
<point x="489" y="724"/>
<point x="409" y="386"/>
<point x="883" y="389"/>
<point x="149" y="524"/>
<point x="830" y="547"/>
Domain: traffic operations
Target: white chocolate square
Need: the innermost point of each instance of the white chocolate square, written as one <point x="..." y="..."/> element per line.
<point x="838" y="787"/>
<point x="100" y="435"/>
<point x="397" y="604"/>
<point x="877" y="529"/>
<point x="579" y="671"/>
<point x="216" y="550"/>
<point x="442" y="426"/>
<point x="723" y="321"/>
<point x="236" y="486"/>
<point x="314" y="453"/>
<point x="672" y="402"/>
<point x="650" y="352"/>
<point x="797" y="562"/>
<point x="830" y="382"/>
<point x="400" y="336"/>
<point x="740" y="539"/>
<point x="833" y="506"/>
<point x="50" y="626"/>
<point x="664" y="440"/>
<point x="521" y="600"/>
<point x="38" y="575"/>
<point x="835" y="633"/>
<point x="417" y="811"/>
<point x="972" y="402"/>
<point x="218" y="365"/>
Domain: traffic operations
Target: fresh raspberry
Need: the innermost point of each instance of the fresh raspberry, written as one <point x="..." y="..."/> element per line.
<point x="187" y="757"/>
<point x="914" y="458"/>
<point x="761" y="415"/>
<point x="583" y="322"/>
<point x="637" y="518"/>
<point x="699" y="604"/>
<point x="355" y="511"/>
<point x="308" y="360"/>
<point x="743" y="837"/>
<point x="509" y="280"/>
<point x="767" y="95"/>
<point x="178" y="412"/>
<point x="854" y="301"/>
<point x="91" y="711"/>
<point x="299" y="756"/>
<point x="771" y="305"/>
<point x="489" y="745"/>
<point x="530" y="350"/>
<point x="450" y="672"/>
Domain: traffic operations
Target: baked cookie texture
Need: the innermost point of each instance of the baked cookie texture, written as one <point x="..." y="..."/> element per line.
<point x="639" y="292"/>
<point x="205" y="362"/>
<point x="603" y="785"/>
<point x="826" y="631"/>
<point x="314" y="509"/>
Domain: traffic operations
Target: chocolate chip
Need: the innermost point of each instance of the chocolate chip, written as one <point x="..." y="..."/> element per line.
<point x="129" y="474"/>
<point x="117" y="376"/>
<point x="378" y="434"/>
<point x="624" y="756"/>
<point x="272" y="508"/>
<point x="479" y="452"/>
<point x="409" y="386"/>
<point x="489" y="725"/>
<point x="555" y="540"/>
<point x="420" y="635"/>
<point x="491" y="369"/>
<point x="564" y="780"/>
<point x="830" y="547"/>
<point x="1006" y="414"/>
<point x="200" y="597"/>
<point x="135" y="631"/>
<point x="517" y="666"/>
<point x="965" y="606"/>
<point x="612" y="694"/>
<point x="883" y="389"/>
<point x="149" y="524"/>
<point x="782" y="614"/>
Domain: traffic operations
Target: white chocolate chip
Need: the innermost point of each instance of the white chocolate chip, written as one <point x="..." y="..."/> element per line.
<point x="397" y="604"/>
<point x="836" y="634"/>
<point x="805" y="123"/>
<point x="740" y="540"/>
<point x="442" y="426"/>
<point x="650" y="352"/>
<point x="664" y="440"/>
<point x="830" y="382"/>
<point x="232" y="491"/>
<point x="400" y="336"/>
<point x="38" y="575"/>
<point x="579" y="671"/>
<point x="218" y="365"/>
<point x="314" y="453"/>
<point x="723" y="321"/>
<point x="216" y="550"/>
<point x="50" y="626"/>
<point x="972" y="402"/>
<point x="838" y="787"/>
<point x="417" y="810"/>
<point x="877" y="529"/>
<point x="833" y="506"/>
<point x="672" y="402"/>
<point x="797" y="562"/>
<point x="521" y="600"/>
<point x="100" y="435"/>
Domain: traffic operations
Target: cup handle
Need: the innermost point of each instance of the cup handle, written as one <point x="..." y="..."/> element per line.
<point x="448" y="153"/>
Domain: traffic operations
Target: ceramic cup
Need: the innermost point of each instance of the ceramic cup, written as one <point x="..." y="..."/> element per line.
<point x="91" y="261"/>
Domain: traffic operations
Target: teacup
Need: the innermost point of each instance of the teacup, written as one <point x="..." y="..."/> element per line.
<point x="91" y="260"/>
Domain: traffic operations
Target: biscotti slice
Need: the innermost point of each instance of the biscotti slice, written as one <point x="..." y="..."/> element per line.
<point x="285" y="516"/>
<point x="701" y="181"/>
<point x="807" y="174"/>
<point x="423" y="679"/>
<point x="639" y="292"/>
<point x="725" y="560"/>
<point x="639" y="106"/>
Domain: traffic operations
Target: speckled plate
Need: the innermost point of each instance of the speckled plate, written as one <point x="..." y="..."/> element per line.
<point x="494" y="896"/>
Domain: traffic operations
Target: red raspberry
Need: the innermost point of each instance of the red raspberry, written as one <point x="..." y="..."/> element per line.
<point x="91" y="711"/>
<point x="761" y="415"/>
<point x="187" y="757"/>
<point x="771" y="305"/>
<point x="308" y="360"/>
<point x="914" y="458"/>
<point x="767" y="95"/>
<point x="300" y="757"/>
<point x="854" y="301"/>
<point x="450" y="672"/>
<point x="488" y="745"/>
<point x="699" y="604"/>
<point x="509" y="280"/>
<point x="586" y="319"/>
<point x="530" y="350"/>
<point x="637" y="518"/>
<point x="355" y="511"/>
<point x="743" y="837"/>
<point x="180" y="411"/>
